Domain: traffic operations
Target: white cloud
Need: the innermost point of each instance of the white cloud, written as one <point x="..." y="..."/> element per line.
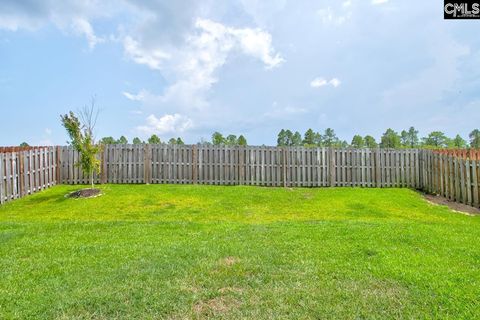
<point x="258" y="43"/>
<point x="318" y="82"/>
<point x="168" y="123"/>
<point x="335" y="82"/>
<point x="71" y="16"/>
<point x="377" y="2"/>
<point x="136" y="97"/>
<point x="152" y="57"/>
<point x="321" y="82"/>
<point x="82" y="26"/>
<point x="191" y="66"/>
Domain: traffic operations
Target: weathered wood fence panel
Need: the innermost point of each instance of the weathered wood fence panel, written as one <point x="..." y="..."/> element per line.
<point x="26" y="172"/>
<point x="259" y="166"/>
<point x="455" y="176"/>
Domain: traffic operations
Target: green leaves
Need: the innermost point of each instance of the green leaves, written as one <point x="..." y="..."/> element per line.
<point x="82" y="140"/>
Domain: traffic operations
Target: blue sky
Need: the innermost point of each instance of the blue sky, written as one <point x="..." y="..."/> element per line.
<point x="252" y="67"/>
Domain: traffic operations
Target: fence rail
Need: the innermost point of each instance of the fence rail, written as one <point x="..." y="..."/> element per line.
<point x="455" y="176"/>
<point x="27" y="172"/>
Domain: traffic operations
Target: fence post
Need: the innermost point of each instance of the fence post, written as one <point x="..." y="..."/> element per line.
<point x="147" y="164"/>
<point x="475" y="183"/>
<point x="332" y="177"/>
<point x="284" y="166"/>
<point x="103" y="174"/>
<point x="241" y="167"/>
<point x="194" y="164"/>
<point x="58" y="170"/>
<point x="378" y="169"/>
<point x="21" y="172"/>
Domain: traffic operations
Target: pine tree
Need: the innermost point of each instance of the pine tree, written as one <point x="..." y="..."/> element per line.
<point x="309" y="138"/>
<point x="474" y="139"/>
<point x="358" y="142"/>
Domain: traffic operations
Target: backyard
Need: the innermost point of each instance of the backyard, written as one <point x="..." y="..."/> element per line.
<point x="190" y="251"/>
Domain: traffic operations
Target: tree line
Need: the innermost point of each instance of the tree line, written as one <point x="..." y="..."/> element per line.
<point x="217" y="140"/>
<point x="154" y="139"/>
<point x="390" y="139"/>
<point x="328" y="138"/>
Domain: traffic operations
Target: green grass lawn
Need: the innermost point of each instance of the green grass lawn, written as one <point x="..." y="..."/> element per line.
<point x="180" y="252"/>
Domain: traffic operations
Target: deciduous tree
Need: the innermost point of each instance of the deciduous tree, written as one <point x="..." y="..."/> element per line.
<point x="231" y="140"/>
<point x="358" y="141"/>
<point x="218" y="139"/>
<point x="370" y="142"/>
<point x="122" y="140"/>
<point x="459" y="142"/>
<point x="108" y="140"/>
<point x="436" y="139"/>
<point x="83" y="140"/>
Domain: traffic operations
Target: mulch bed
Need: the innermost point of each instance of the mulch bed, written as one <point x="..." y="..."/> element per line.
<point x="84" y="193"/>
<point x="455" y="206"/>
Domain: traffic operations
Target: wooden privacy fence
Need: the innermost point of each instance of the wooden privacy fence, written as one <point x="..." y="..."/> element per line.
<point x="455" y="176"/>
<point x="261" y="166"/>
<point x="472" y="154"/>
<point x="26" y="172"/>
<point x="17" y="149"/>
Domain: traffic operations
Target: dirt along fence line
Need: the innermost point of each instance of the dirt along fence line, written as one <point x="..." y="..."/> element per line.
<point x="452" y="175"/>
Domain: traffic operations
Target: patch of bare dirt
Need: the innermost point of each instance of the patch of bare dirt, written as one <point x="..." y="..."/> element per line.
<point x="84" y="193"/>
<point x="455" y="206"/>
<point x="229" y="261"/>
<point x="215" y="306"/>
